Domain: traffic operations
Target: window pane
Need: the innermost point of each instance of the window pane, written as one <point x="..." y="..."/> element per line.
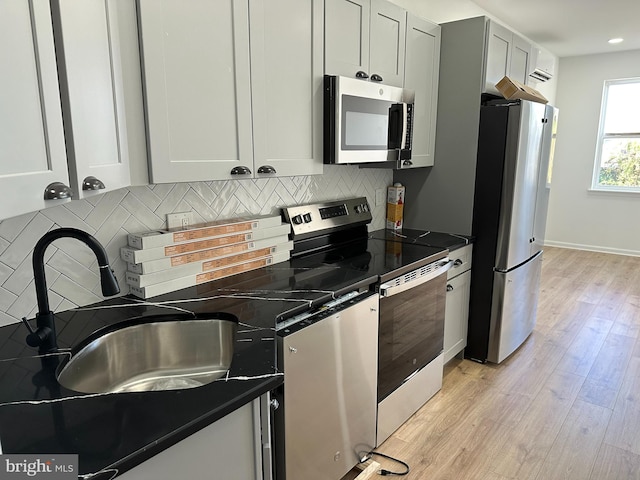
<point x="620" y="162"/>
<point x="623" y="108"/>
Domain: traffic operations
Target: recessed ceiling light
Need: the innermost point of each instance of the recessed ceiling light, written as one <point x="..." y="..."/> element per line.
<point x="616" y="40"/>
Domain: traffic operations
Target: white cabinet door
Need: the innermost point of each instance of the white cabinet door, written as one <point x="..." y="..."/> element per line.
<point x="225" y="449"/>
<point x="365" y="36"/>
<point x="456" y="315"/>
<point x="197" y="88"/>
<point x="92" y="96"/>
<point x="387" y="32"/>
<point x="286" y="86"/>
<point x="421" y="75"/>
<point x="498" y="55"/>
<point x="347" y="37"/>
<point x="520" y="55"/>
<point x="32" y="149"/>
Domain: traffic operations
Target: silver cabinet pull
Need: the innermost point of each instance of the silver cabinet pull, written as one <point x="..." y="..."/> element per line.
<point x="266" y="169"/>
<point x="92" y="183"/>
<point x="57" y="190"/>
<point x="240" y="170"/>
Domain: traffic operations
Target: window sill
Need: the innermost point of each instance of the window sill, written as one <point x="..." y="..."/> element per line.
<point x="614" y="192"/>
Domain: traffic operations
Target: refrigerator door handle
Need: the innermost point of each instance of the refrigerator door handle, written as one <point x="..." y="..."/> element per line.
<point x="530" y="259"/>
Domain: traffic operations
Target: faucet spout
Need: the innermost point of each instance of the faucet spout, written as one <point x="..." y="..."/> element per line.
<point x="45" y="335"/>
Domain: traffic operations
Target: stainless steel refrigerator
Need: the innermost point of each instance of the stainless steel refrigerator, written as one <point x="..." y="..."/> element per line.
<point x="509" y="219"/>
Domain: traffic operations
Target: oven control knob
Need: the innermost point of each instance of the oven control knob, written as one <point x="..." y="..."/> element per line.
<point x="358" y="209"/>
<point x="365" y="207"/>
<point x="297" y="219"/>
<point x="307" y="217"/>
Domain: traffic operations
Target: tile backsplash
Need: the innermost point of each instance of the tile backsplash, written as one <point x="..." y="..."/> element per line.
<point x="72" y="273"/>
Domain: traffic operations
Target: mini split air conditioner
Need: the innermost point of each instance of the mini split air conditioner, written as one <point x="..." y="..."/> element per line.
<point x="542" y="63"/>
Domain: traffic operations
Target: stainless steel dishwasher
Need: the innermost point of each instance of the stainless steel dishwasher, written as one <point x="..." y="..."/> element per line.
<point x="327" y="406"/>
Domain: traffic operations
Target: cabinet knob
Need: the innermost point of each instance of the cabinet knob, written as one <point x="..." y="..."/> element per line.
<point x="376" y="78"/>
<point x="361" y="74"/>
<point x="240" y="170"/>
<point x="266" y="169"/>
<point x="92" y="183"/>
<point x="274" y="404"/>
<point x="449" y="288"/>
<point x="57" y="190"/>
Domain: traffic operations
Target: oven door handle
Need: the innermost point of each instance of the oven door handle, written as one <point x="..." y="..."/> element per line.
<point x="389" y="290"/>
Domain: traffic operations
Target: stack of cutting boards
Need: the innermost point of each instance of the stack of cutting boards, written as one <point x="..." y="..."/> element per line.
<point x="162" y="261"/>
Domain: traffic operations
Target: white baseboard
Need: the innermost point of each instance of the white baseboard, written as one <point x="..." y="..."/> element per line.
<point x="592" y="248"/>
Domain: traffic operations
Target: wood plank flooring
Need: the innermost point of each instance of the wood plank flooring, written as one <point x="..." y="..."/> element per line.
<point x="565" y="405"/>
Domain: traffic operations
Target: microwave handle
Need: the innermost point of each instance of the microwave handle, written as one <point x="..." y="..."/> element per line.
<point x="397" y="126"/>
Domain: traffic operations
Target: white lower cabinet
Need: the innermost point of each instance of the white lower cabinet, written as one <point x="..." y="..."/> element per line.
<point x="231" y="448"/>
<point x="457" y="303"/>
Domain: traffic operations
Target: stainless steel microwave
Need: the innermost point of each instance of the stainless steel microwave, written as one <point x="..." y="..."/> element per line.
<point x="366" y="122"/>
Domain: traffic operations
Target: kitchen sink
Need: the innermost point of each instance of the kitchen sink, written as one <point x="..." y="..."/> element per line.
<point x="152" y="354"/>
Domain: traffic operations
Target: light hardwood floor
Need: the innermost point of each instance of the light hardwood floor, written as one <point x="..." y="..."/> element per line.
<point x="565" y="405"/>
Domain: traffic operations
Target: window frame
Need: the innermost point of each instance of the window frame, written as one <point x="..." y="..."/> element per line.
<point x="602" y="136"/>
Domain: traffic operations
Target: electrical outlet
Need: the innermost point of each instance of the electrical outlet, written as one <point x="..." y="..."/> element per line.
<point x="179" y="219"/>
<point x="380" y="197"/>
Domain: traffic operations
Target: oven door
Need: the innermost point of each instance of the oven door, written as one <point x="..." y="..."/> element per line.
<point x="411" y="329"/>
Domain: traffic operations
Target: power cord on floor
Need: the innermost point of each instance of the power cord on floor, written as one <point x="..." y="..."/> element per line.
<point x="382" y="471"/>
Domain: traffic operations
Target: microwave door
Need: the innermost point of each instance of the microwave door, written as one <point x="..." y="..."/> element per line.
<point x="397" y="126"/>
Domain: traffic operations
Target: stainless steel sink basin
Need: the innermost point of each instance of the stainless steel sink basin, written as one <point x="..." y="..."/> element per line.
<point x="160" y="354"/>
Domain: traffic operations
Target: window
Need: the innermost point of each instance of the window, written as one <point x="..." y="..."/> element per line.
<point x="617" y="165"/>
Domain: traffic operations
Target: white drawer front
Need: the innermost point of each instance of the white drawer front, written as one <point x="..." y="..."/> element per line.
<point x="462" y="260"/>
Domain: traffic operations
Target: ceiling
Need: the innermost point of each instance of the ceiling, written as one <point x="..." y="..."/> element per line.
<point x="571" y="27"/>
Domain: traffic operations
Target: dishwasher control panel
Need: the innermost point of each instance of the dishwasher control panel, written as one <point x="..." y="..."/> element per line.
<point x="304" y="319"/>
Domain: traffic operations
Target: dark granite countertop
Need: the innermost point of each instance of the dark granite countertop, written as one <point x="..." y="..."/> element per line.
<point x="117" y="431"/>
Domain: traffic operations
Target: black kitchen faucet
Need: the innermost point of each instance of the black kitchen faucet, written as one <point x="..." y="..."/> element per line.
<point x="44" y="336"/>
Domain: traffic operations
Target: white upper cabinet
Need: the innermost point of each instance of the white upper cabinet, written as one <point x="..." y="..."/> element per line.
<point x="195" y="57"/>
<point x="507" y="54"/>
<point x="365" y="36"/>
<point x="421" y="76"/>
<point x="520" y="59"/>
<point x="61" y="103"/>
<point x="32" y="149"/>
<point x="221" y="106"/>
<point x="92" y="95"/>
<point x="387" y="43"/>
<point x="286" y="86"/>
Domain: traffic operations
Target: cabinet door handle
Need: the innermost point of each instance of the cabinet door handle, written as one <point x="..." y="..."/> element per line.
<point x="407" y="163"/>
<point x="376" y="78"/>
<point x="449" y="288"/>
<point x="361" y="74"/>
<point x="57" y="190"/>
<point x="457" y="263"/>
<point x="240" y="170"/>
<point x="266" y="169"/>
<point x="92" y="183"/>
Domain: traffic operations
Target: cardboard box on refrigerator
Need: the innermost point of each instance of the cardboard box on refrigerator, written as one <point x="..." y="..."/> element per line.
<point x="512" y="89"/>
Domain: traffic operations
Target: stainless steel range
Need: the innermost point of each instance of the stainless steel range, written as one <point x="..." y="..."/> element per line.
<point x="355" y="369"/>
